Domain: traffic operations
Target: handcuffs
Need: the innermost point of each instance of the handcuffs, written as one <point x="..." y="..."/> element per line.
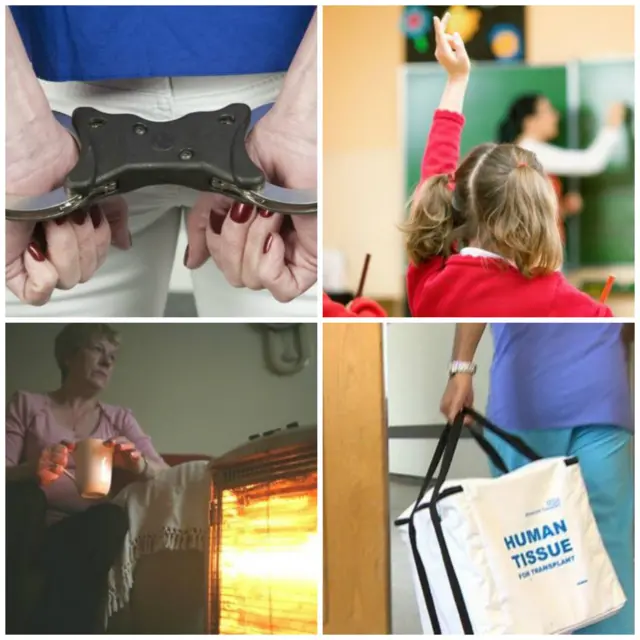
<point x="122" y="153"/>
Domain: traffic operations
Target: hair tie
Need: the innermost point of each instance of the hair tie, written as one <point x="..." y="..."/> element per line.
<point x="521" y="164"/>
<point x="451" y="182"/>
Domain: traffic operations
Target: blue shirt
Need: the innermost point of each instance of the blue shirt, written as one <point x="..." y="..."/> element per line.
<point x="558" y="375"/>
<point x="102" y="42"/>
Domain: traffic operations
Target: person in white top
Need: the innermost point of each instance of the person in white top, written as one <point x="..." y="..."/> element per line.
<point x="532" y="122"/>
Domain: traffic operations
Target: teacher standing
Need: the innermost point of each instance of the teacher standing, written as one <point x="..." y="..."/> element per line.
<point x="564" y="389"/>
<point x="532" y="123"/>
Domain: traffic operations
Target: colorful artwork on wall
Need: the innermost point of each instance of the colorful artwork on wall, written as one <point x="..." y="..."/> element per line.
<point x="490" y="33"/>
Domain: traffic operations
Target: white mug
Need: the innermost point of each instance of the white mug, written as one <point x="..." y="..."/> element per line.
<point x="94" y="464"/>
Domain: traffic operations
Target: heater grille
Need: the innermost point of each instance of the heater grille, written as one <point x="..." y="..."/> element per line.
<point x="264" y="543"/>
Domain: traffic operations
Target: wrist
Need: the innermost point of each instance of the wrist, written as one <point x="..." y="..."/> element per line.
<point x="462" y="367"/>
<point x="458" y="79"/>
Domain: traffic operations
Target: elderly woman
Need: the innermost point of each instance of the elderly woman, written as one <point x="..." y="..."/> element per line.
<point x="564" y="389"/>
<point x="70" y="540"/>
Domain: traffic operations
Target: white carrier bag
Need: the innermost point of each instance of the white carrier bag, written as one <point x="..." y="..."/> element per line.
<point x="516" y="554"/>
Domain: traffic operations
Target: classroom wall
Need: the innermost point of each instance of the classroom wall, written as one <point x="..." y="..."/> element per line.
<point x="194" y="388"/>
<point x="417" y="358"/>
<point x="363" y="174"/>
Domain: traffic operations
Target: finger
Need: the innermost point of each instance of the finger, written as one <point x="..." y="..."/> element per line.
<point x="445" y="21"/>
<point x="116" y="213"/>
<point x="209" y="211"/>
<point x="228" y="248"/>
<point x="124" y="447"/>
<point x="135" y="456"/>
<point x="87" y="258"/>
<point x="101" y="234"/>
<point x="56" y="469"/>
<point x="70" y="446"/>
<point x="63" y="251"/>
<point x="456" y="43"/>
<point x="32" y="278"/>
<point x="438" y="31"/>
<point x="283" y="281"/>
<point x="265" y="224"/>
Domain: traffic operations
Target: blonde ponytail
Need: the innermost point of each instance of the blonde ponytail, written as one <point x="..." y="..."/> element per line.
<point x="430" y="229"/>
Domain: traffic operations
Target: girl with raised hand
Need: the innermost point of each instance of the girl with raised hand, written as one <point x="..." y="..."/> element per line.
<point x="482" y="237"/>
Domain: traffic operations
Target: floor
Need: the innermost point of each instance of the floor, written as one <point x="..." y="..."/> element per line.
<point x="405" y="618"/>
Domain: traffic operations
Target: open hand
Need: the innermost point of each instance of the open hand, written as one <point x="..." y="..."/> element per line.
<point x="450" y="50"/>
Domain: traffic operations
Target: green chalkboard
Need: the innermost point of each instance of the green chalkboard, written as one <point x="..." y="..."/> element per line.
<point x="492" y="88"/>
<point x="607" y="220"/>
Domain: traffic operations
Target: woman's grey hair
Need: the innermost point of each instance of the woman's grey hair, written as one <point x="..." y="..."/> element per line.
<point x="77" y="336"/>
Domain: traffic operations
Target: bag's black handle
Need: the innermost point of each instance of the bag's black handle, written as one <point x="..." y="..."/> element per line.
<point x="420" y="568"/>
<point x="517" y="443"/>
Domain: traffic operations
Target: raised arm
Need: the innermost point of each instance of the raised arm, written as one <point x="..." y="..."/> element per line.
<point x="578" y="162"/>
<point x="443" y="145"/>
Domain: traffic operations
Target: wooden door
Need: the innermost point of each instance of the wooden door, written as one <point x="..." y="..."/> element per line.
<point x="355" y="482"/>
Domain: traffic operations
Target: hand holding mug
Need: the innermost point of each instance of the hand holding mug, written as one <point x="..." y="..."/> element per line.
<point x="126" y="456"/>
<point x="53" y="462"/>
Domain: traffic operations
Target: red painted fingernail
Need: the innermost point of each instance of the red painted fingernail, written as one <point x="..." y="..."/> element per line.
<point x="35" y="252"/>
<point x="267" y="243"/>
<point x="96" y="216"/>
<point x="79" y="217"/>
<point x="61" y="221"/>
<point x="241" y="212"/>
<point x="215" y="222"/>
<point x="264" y="213"/>
<point x="186" y="256"/>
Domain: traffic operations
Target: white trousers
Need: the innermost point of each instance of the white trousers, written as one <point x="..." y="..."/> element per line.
<point x="136" y="283"/>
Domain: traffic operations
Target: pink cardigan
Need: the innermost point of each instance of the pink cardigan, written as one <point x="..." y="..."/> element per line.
<point x="31" y="426"/>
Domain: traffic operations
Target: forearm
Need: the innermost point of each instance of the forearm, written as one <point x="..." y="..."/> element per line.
<point x="453" y="95"/>
<point x="30" y="123"/>
<point x="466" y="341"/>
<point x="20" y="472"/>
<point x="298" y="100"/>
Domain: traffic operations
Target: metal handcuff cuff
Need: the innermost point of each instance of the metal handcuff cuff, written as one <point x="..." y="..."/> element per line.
<point x="122" y="153"/>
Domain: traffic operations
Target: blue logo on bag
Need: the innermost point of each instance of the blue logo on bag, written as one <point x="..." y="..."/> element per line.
<point x="540" y="548"/>
<point x="549" y="505"/>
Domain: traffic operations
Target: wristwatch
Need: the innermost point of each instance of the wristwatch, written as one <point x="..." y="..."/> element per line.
<point x="458" y="366"/>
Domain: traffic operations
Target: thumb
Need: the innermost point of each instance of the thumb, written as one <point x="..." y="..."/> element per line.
<point x="33" y="279"/>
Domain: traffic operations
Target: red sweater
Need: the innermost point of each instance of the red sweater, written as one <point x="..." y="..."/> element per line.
<point x="360" y="308"/>
<point x="468" y="286"/>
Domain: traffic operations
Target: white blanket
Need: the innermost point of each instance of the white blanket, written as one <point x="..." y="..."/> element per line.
<point x="168" y="512"/>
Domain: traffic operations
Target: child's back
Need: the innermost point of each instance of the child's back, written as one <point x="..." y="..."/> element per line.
<point x="480" y="287"/>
